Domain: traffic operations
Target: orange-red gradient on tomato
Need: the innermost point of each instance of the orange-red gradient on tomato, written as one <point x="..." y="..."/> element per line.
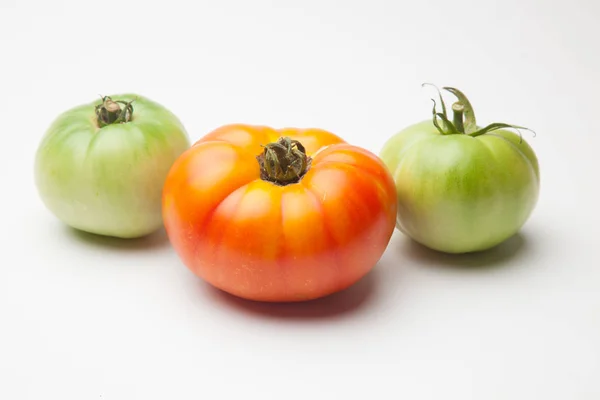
<point x="279" y="215"/>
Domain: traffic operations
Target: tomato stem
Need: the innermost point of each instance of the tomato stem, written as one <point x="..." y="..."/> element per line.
<point x="463" y="120"/>
<point x="283" y="162"/>
<point x="458" y="114"/>
<point x="110" y="112"/>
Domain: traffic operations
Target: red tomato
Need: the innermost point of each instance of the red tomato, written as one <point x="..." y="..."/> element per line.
<point x="279" y="215"/>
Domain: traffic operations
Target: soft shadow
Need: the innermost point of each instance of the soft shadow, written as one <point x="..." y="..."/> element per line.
<point x="350" y="300"/>
<point x="495" y="257"/>
<point x="154" y="240"/>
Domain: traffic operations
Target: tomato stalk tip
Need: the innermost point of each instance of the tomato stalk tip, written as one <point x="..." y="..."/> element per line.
<point x="283" y="162"/>
<point x="110" y="112"/>
<point x="458" y="115"/>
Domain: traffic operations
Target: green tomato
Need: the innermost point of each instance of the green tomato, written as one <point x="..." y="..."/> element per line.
<point x="461" y="187"/>
<point x="100" y="167"/>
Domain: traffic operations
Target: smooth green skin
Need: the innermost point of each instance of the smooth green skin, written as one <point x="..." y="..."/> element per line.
<point x="108" y="181"/>
<point x="460" y="194"/>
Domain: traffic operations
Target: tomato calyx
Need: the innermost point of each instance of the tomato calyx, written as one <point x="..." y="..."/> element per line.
<point x="110" y="112"/>
<point x="283" y="162"/>
<point x="463" y="118"/>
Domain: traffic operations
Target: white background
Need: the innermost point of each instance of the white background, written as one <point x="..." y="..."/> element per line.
<point x="90" y="318"/>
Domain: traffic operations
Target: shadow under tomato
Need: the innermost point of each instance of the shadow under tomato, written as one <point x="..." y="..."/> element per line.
<point x="493" y="258"/>
<point x="156" y="240"/>
<point x="349" y="300"/>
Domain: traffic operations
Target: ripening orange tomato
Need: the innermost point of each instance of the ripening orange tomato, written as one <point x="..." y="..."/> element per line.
<point x="279" y="215"/>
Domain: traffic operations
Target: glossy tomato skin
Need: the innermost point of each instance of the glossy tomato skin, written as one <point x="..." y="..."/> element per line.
<point x="458" y="193"/>
<point x="262" y="241"/>
<point x="109" y="180"/>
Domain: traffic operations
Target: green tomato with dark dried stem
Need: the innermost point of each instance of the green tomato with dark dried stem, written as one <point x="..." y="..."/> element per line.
<point x="462" y="187"/>
<point x="101" y="166"/>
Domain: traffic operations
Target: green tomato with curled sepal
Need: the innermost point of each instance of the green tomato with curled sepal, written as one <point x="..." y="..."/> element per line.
<point x="101" y="166"/>
<point x="461" y="187"/>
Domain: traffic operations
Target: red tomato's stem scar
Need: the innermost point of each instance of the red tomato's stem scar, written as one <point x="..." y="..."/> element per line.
<point x="283" y="162"/>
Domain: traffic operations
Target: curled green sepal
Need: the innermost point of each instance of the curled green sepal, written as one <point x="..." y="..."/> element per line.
<point x="440" y="96"/>
<point x="448" y="127"/>
<point x="469" y="122"/>
<point x="499" y="125"/>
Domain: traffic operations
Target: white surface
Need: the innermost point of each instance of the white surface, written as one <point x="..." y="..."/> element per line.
<point x="85" y="318"/>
